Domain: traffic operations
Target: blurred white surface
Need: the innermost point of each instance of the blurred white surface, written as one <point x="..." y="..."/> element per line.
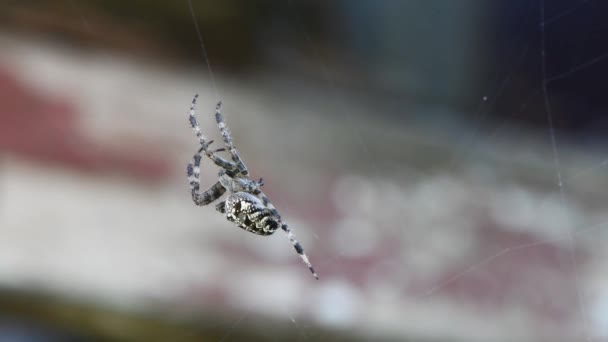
<point x="474" y="249"/>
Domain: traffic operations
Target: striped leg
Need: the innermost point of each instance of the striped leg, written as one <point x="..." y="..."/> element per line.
<point x="299" y="249"/>
<point x="228" y="140"/>
<point x="290" y="235"/>
<point x="204" y="198"/>
<point x="267" y="202"/>
<point x="219" y="161"/>
<point x="245" y="185"/>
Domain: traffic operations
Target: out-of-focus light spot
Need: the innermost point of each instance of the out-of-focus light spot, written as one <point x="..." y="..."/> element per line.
<point x="355" y="237"/>
<point x="251" y="290"/>
<point x="599" y="316"/>
<point x="338" y="304"/>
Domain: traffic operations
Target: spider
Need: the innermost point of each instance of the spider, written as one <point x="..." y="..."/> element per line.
<point x="246" y="206"/>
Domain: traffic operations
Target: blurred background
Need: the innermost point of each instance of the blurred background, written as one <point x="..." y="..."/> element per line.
<point x="442" y="163"/>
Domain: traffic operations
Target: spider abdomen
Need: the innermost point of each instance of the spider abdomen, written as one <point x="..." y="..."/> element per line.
<point x="248" y="212"/>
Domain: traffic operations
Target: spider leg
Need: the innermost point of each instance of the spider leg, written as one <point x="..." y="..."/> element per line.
<point x="221" y="207"/>
<point x="299" y="249"/>
<point x="219" y="161"/>
<point x="208" y="196"/>
<point x="290" y="235"/>
<point x="247" y="185"/>
<point x="228" y="140"/>
<point x="265" y="200"/>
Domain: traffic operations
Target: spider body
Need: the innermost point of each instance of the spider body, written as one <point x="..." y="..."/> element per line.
<point x="246" y="206"/>
<point x="248" y="212"/>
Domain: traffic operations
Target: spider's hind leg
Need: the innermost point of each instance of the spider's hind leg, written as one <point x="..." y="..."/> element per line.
<point x="221" y="207"/>
<point x="266" y="201"/>
<point x="299" y="249"/>
<point x="208" y="196"/>
<point x="292" y="238"/>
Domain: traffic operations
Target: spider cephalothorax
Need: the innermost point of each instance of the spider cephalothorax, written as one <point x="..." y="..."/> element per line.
<point x="246" y="206"/>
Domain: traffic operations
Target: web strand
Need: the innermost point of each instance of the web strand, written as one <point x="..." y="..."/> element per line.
<point x="204" y="50"/>
<point x="577" y="68"/>
<point x="507" y="250"/>
<point x="487" y="103"/>
<point x="563" y="14"/>
<point x="334" y="87"/>
<point x="84" y="21"/>
<point x="557" y="166"/>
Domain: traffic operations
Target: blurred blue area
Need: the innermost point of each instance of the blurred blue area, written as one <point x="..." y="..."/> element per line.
<point x="17" y="330"/>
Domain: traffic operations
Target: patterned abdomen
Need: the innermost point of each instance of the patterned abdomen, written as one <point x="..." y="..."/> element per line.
<point x="248" y="212"/>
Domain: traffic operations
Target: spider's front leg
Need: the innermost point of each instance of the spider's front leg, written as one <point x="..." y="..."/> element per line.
<point x="219" y="118"/>
<point x="219" y="161"/>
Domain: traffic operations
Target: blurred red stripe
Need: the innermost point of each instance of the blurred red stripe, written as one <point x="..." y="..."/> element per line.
<point x="46" y="130"/>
